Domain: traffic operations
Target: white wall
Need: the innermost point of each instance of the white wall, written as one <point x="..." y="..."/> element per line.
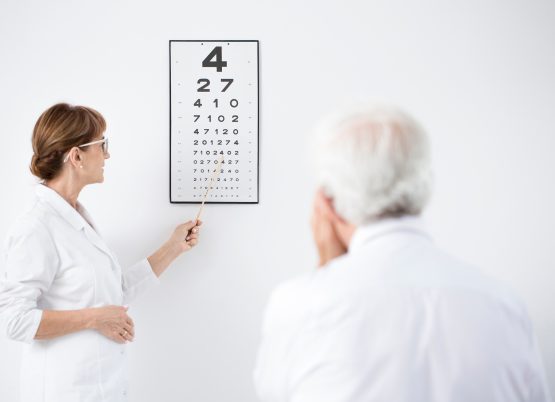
<point x="478" y="74"/>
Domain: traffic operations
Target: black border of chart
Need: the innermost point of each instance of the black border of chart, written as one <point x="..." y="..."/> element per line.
<point x="257" y="118"/>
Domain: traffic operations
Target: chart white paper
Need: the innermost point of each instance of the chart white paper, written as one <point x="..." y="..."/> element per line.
<point x="214" y="112"/>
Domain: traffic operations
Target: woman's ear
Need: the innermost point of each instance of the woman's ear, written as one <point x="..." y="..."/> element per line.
<point x="74" y="156"/>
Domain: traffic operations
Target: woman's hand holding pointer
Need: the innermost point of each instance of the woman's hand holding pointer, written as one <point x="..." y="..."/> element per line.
<point x="184" y="238"/>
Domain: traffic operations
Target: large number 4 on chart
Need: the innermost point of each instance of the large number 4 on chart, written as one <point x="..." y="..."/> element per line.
<point x="218" y="63"/>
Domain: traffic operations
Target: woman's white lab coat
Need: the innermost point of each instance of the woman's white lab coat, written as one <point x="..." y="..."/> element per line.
<point x="56" y="260"/>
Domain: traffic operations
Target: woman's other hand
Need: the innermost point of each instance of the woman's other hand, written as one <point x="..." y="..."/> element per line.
<point x="114" y="323"/>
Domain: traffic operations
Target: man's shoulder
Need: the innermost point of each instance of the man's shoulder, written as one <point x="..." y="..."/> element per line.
<point x="423" y="266"/>
<point x="452" y="274"/>
<point x="306" y="286"/>
<point x="350" y="281"/>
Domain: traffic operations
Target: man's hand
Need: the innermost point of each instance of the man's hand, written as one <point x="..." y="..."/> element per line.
<point x="327" y="241"/>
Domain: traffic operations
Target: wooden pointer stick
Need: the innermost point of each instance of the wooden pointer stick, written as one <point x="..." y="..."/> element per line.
<point x="214" y="176"/>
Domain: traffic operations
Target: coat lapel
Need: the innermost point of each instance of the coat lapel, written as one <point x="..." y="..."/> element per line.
<point x="92" y="233"/>
<point x="95" y="239"/>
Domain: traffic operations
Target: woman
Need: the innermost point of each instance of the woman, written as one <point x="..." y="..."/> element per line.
<point x="64" y="292"/>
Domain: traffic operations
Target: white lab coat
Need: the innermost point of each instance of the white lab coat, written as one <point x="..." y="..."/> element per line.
<point x="56" y="260"/>
<point x="396" y="319"/>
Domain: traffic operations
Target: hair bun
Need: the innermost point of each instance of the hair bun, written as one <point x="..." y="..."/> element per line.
<point x="46" y="167"/>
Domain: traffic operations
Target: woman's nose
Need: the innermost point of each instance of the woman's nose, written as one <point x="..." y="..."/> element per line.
<point x="107" y="155"/>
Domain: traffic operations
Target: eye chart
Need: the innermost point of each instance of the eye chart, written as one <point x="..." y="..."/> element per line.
<point x="214" y="121"/>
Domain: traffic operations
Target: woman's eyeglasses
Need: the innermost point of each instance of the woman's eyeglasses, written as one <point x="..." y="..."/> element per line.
<point x="104" y="142"/>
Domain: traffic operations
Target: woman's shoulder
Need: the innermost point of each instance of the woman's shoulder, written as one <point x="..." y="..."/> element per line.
<point x="33" y="221"/>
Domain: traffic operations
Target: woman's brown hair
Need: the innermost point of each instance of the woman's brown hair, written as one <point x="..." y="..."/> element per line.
<point x="58" y="129"/>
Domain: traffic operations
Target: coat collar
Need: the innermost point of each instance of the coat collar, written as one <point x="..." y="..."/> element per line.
<point x="62" y="207"/>
<point x="78" y="218"/>
<point x="369" y="232"/>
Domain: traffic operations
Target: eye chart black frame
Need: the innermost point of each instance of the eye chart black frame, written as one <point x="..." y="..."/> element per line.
<point x="211" y="125"/>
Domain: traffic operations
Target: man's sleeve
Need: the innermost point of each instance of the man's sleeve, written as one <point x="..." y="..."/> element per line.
<point x="291" y="348"/>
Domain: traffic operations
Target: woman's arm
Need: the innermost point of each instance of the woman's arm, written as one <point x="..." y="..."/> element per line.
<point x="111" y="321"/>
<point x="31" y="264"/>
<point x="184" y="237"/>
<point x="59" y="323"/>
<point x="143" y="275"/>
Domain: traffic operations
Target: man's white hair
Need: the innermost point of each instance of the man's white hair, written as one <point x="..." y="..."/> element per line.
<point x="374" y="162"/>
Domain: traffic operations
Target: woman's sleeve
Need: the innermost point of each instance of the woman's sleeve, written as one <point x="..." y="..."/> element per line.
<point x="31" y="262"/>
<point x="137" y="279"/>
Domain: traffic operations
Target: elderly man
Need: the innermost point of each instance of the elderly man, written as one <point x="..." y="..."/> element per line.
<point x="388" y="316"/>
